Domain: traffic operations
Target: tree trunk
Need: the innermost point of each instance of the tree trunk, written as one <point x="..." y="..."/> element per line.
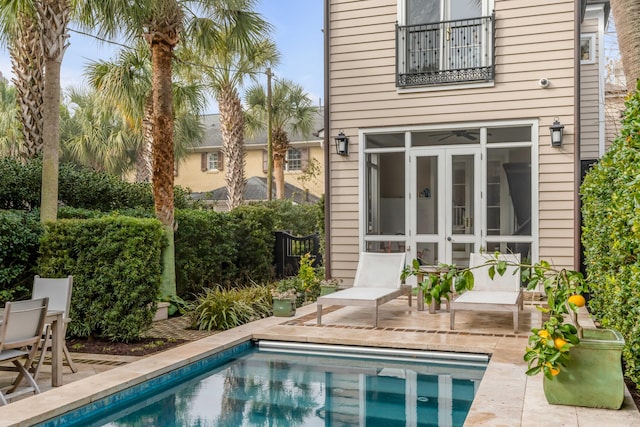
<point x="54" y="15"/>
<point x="232" y="130"/>
<point x="27" y="63"/>
<point x="626" y="14"/>
<point x="163" y="178"/>
<point x="144" y="167"/>
<point x="278" y="174"/>
<point x="280" y="148"/>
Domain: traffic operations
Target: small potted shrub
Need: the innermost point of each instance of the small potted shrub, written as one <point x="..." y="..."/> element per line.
<point x="284" y="297"/>
<point x="329" y="286"/>
<point x="581" y="367"/>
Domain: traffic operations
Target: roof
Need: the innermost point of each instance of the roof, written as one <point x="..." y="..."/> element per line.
<point x="256" y="189"/>
<point x="213" y="137"/>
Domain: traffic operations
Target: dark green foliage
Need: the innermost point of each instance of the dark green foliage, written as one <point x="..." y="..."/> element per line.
<point x="300" y="220"/>
<point x="611" y="236"/>
<point x="255" y="238"/>
<point x="79" y="187"/>
<point x="116" y="264"/>
<point x="222" y="309"/>
<point x="206" y="250"/>
<point x="20" y="184"/>
<point x="19" y="239"/>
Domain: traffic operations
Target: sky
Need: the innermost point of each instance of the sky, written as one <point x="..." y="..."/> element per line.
<point x="297" y="32"/>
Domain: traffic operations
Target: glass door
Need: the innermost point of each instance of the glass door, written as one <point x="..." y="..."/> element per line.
<point x="445" y="208"/>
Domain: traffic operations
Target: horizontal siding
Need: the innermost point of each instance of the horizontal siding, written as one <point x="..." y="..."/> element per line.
<point x="534" y="39"/>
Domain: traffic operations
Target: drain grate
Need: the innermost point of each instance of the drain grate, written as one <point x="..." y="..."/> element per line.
<point x="47" y="361"/>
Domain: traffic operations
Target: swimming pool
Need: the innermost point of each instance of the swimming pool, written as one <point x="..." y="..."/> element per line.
<point x="282" y="383"/>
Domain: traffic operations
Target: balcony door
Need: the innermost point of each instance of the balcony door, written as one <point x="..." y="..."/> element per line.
<point x="455" y="42"/>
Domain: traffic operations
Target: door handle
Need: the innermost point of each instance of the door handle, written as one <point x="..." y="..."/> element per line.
<point x="448" y="33"/>
<point x="449" y="238"/>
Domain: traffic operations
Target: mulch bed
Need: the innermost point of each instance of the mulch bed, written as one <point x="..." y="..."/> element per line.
<point x="141" y="347"/>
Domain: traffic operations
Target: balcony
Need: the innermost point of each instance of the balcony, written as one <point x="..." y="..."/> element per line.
<point x="445" y="52"/>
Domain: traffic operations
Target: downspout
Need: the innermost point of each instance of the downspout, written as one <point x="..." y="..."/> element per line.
<point x="577" y="247"/>
<point x="327" y="138"/>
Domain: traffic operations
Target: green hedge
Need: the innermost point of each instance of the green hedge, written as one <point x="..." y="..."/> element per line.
<point x="19" y="240"/>
<point x="206" y="251"/>
<point x="611" y="236"/>
<point x="79" y="187"/>
<point x="116" y="264"/>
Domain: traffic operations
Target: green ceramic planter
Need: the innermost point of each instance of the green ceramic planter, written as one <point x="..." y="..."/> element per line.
<point x="327" y="289"/>
<point x="284" y="307"/>
<point x="594" y="375"/>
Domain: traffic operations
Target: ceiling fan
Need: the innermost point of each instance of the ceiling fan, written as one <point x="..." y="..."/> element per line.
<point x="459" y="134"/>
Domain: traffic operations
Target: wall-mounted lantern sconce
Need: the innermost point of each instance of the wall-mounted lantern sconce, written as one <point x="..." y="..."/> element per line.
<point x="556" y="133"/>
<point x="342" y="144"/>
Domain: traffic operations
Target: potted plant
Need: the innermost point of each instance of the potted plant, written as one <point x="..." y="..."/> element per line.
<point x="581" y="367"/>
<point x="284" y="297"/>
<point x="329" y="286"/>
<point x="438" y="284"/>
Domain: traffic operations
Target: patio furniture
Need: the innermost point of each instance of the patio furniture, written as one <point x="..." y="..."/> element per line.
<point x="503" y="293"/>
<point x="20" y="333"/>
<point x="377" y="281"/>
<point x="59" y="293"/>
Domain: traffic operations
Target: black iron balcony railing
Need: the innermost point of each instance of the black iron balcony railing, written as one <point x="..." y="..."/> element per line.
<point x="445" y="52"/>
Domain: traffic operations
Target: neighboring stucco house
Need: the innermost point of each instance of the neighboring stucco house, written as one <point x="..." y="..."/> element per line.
<point x="203" y="169"/>
<point x="448" y="106"/>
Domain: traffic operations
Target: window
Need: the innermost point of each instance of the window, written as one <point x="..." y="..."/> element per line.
<point x="587" y="48"/>
<point x="444" y="41"/>
<point x="213" y="161"/>
<point x="294" y="159"/>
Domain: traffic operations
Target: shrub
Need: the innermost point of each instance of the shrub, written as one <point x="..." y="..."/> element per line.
<point x="222" y="309"/>
<point x="300" y="220"/>
<point x="116" y="264"/>
<point x="611" y="236"/>
<point x="206" y="250"/>
<point x="79" y="187"/>
<point x="19" y="240"/>
<point x="255" y="238"/>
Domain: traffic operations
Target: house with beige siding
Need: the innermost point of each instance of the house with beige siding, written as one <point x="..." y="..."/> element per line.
<point x="203" y="169"/>
<point x="448" y="107"/>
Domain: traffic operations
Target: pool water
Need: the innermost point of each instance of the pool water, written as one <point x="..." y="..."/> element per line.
<point x="310" y="386"/>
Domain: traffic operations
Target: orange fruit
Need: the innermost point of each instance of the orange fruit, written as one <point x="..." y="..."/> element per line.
<point x="559" y="343"/>
<point x="554" y="371"/>
<point x="543" y="333"/>
<point x="577" y="300"/>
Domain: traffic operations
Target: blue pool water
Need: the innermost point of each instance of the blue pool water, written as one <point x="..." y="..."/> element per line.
<point x="287" y="384"/>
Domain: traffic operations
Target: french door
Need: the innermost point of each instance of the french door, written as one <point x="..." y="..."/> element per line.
<point x="444" y="204"/>
<point x="446" y="33"/>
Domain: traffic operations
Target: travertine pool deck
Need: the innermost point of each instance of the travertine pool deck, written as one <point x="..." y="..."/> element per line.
<point x="506" y="396"/>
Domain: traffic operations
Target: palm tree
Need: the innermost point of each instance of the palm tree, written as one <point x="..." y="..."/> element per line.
<point x="27" y="64"/>
<point x="10" y="135"/>
<point x="96" y="136"/>
<point x="626" y="14"/>
<point x="163" y="24"/>
<point x="291" y="111"/>
<point x="124" y="85"/>
<point x="235" y="60"/>
<point x="51" y="19"/>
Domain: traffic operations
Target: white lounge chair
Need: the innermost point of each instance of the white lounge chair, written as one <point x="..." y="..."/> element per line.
<point x="59" y="293"/>
<point x="20" y="333"/>
<point x="503" y="293"/>
<point x="377" y="281"/>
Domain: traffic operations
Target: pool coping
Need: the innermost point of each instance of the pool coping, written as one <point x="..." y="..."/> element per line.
<point x="506" y="396"/>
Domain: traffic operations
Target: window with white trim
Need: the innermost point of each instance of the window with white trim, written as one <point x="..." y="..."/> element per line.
<point x="294" y="159"/>
<point x="213" y="161"/>
<point x="588" y="49"/>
